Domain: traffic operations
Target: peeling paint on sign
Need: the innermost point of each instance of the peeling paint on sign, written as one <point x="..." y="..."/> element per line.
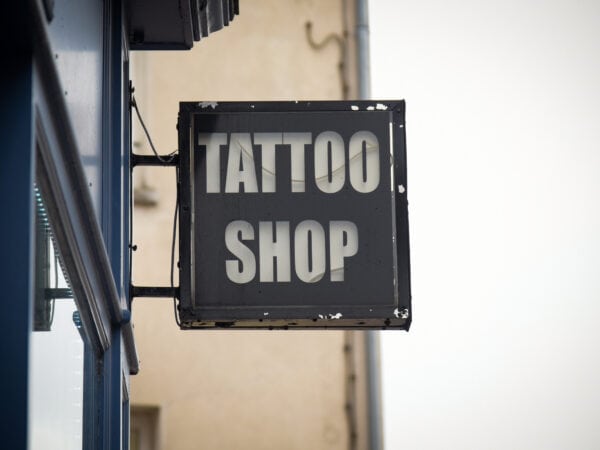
<point x="303" y="215"/>
<point x="213" y="105"/>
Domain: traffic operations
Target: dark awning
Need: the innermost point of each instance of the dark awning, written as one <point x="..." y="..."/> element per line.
<point x="176" y="24"/>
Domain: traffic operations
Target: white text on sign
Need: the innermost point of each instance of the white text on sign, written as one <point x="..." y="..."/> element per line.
<point x="274" y="246"/>
<point x="331" y="154"/>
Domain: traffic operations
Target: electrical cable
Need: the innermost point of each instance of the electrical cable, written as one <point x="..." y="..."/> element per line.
<point x="167" y="161"/>
<point x="173" y="248"/>
<point x="139" y="116"/>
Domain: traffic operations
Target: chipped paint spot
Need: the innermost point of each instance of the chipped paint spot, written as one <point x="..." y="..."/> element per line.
<point x="335" y="316"/>
<point x="381" y="107"/>
<point x="265" y="314"/>
<point x="252" y="106"/>
<point x="321" y="316"/>
<point x="401" y="126"/>
<point x="354" y="108"/>
<point x="401" y="314"/>
<point x="213" y="105"/>
<point x="370" y="108"/>
<point x="401" y="189"/>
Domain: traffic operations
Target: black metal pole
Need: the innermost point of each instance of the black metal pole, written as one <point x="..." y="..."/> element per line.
<point x="151" y="160"/>
<point x="154" y="291"/>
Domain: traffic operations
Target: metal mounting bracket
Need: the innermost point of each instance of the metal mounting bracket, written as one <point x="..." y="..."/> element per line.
<point x="154" y="291"/>
<point x="151" y="160"/>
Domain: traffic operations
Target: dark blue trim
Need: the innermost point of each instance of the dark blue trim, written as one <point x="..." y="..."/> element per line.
<point x="113" y="378"/>
<point x="126" y="416"/>
<point x="92" y="399"/>
<point x="16" y="231"/>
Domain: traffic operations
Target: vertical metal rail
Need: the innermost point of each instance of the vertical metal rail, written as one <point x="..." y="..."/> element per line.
<point x="371" y="337"/>
<point x="362" y="50"/>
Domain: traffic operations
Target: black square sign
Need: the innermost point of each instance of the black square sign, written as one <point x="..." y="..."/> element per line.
<point x="293" y="215"/>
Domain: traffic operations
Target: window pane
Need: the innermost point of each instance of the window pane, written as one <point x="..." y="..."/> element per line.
<point x="57" y="351"/>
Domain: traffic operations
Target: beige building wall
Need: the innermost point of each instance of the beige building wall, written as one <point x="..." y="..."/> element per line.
<point x="239" y="389"/>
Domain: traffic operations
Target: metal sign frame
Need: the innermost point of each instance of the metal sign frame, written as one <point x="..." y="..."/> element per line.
<point x="197" y="309"/>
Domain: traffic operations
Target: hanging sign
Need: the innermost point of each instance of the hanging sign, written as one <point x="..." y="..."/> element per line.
<point x="293" y="215"/>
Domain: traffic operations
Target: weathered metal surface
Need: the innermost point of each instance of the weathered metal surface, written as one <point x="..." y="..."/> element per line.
<point x="293" y="215"/>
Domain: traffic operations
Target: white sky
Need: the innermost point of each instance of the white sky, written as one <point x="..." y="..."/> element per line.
<point x="503" y="132"/>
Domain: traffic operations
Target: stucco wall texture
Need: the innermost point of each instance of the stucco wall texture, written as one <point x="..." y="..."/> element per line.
<point x="238" y="389"/>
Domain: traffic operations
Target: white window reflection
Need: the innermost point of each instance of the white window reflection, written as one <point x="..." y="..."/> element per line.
<point x="56" y="387"/>
<point x="56" y="352"/>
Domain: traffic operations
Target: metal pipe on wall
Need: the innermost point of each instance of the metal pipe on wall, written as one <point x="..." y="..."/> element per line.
<point x="362" y="49"/>
<point x="374" y="390"/>
<point x="371" y="337"/>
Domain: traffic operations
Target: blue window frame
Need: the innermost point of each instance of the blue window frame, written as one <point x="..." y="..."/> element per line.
<point x="90" y="225"/>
